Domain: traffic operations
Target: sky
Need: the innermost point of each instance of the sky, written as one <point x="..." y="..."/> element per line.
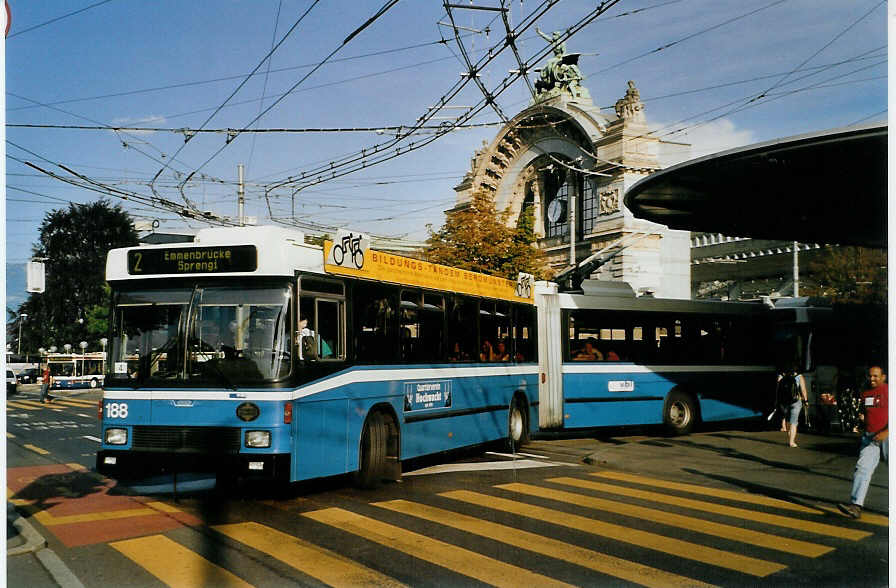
<point x="152" y="80"/>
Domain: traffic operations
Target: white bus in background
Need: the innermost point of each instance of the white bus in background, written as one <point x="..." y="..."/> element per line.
<point x="76" y="370"/>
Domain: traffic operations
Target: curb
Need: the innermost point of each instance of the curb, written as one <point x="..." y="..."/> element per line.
<point x="36" y="544"/>
<point x="33" y="539"/>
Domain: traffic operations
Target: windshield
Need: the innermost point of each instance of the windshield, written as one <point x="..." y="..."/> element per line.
<point x="62" y="369"/>
<point x="217" y="335"/>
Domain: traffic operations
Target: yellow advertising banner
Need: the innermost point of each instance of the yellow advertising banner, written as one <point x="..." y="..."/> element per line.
<point x="395" y="269"/>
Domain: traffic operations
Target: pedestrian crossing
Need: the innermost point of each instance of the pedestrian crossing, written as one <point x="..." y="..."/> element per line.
<point x="600" y="528"/>
<point x="57" y="405"/>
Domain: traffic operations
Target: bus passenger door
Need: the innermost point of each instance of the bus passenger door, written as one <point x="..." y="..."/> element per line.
<point x="550" y="357"/>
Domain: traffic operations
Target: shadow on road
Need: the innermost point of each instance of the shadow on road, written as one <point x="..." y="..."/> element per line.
<point x="51" y="489"/>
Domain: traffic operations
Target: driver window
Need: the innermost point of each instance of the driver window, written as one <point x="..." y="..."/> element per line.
<point x="321" y="329"/>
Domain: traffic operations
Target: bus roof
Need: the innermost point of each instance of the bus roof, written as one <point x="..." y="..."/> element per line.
<point x="277" y="251"/>
<point x="647" y="304"/>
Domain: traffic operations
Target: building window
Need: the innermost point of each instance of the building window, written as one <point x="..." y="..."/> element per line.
<point x="590" y="208"/>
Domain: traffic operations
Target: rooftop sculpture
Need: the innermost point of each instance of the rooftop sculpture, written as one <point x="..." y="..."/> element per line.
<point x="561" y="75"/>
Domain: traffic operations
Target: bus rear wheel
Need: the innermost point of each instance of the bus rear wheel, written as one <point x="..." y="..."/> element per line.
<point x="94" y="383"/>
<point x="680" y="413"/>
<point x="517" y="424"/>
<point x="372" y="466"/>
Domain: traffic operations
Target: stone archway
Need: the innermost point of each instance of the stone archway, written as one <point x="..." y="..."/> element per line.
<point x="505" y="166"/>
<point x="563" y="148"/>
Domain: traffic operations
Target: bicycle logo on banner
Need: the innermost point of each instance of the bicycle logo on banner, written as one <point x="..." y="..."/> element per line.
<point x="348" y="249"/>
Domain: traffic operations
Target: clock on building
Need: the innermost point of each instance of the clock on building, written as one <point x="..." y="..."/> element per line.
<point x="557" y="210"/>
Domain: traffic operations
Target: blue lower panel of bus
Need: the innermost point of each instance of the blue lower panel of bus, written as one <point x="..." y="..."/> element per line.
<point x="602" y="399"/>
<point x="72" y="384"/>
<point x="436" y="410"/>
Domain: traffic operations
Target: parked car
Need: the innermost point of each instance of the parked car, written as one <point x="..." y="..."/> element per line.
<point x="11" y="384"/>
<point x="29" y="376"/>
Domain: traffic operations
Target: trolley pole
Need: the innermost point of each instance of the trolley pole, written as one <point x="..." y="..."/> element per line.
<point x="796" y="269"/>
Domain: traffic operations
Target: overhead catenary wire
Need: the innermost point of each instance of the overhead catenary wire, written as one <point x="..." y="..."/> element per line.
<point x="195" y="178"/>
<point x="57" y="19"/>
<point x="385" y="147"/>
<point x="267" y="73"/>
<point x="345" y="41"/>
<point x="240" y="85"/>
<point x="181" y="85"/>
<point x="383" y="152"/>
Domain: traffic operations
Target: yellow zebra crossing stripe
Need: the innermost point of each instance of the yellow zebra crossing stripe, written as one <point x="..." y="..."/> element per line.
<point x="731" y="532"/>
<point x="317" y="562"/>
<point x="730" y="511"/>
<point x="463" y="561"/>
<point x="677" y="547"/>
<point x="75" y="402"/>
<point x="716" y="492"/>
<point x="587" y="558"/>
<point x="49" y="520"/>
<point x="174" y="564"/>
<point x="23" y="404"/>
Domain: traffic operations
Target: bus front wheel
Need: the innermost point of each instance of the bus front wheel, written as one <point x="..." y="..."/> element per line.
<point x="94" y="383"/>
<point x="680" y="413"/>
<point x="517" y="424"/>
<point x="372" y="460"/>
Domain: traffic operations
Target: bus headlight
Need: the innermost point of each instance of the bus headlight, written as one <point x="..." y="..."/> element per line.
<point x="116" y="437"/>
<point x="258" y="438"/>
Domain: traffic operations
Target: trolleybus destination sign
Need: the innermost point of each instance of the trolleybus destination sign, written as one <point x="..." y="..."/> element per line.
<point x="193" y="260"/>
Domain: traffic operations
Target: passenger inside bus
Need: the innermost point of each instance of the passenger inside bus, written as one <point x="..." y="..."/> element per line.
<point x="501" y="354"/>
<point x="457" y="353"/>
<point x="588" y="352"/>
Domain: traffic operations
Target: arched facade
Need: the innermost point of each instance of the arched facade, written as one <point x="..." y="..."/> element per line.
<point x="572" y="164"/>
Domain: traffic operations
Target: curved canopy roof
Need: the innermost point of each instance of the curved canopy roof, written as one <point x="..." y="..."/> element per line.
<point x="828" y="187"/>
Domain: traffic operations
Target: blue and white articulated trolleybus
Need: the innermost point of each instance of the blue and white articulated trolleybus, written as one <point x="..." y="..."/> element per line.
<point x="250" y="353"/>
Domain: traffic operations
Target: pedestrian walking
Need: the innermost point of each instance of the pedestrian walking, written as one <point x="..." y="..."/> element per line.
<point x="874" y="444"/>
<point x="791" y="392"/>
<point x="45" y="381"/>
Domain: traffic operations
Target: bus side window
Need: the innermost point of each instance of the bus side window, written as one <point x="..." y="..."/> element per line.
<point x="307" y="329"/>
<point x="409" y="326"/>
<point x="329" y="329"/>
<point x="374" y="323"/>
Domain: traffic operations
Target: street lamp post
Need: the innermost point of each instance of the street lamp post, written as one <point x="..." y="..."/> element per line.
<point x="22" y="318"/>
<point x="103" y="342"/>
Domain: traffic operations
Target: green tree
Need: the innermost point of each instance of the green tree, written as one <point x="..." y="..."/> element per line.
<point x="74" y="243"/>
<point x="850" y="275"/>
<point x="477" y="238"/>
